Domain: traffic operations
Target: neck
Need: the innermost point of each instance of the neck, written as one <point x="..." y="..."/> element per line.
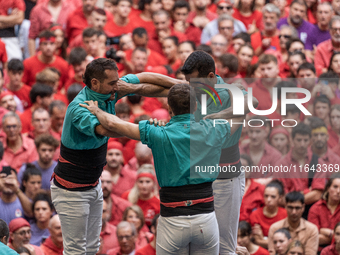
<point x="15" y="144"/>
<point x="42" y="225"/>
<point x="336" y="44"/>
<point x="8" y="197"/>
<point x="12" y="87"/>
<point x="121" y="21"/>
<point x="257" y="148"/>
<point x="319" y="152"/>
<point x="54" y="4"/>
<point x="298" y="156"/>
<point x="323" y="27"/>
<point x="271" y="210"/>
<point x="114" y="171"/>
<point x="332" y="203"/>
<point x="86" y="13"/>
<point x="46" y="59"/>
<point x="245" y="9"/>
<point x="294" y="225"/>
<point x="146" y="15"/>
<point x="201" y="13"/>
<point x="145" y="197"/>
<point x="45" y="165"/>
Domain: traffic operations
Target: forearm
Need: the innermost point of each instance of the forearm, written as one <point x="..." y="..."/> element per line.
<point x="312" y="196"/>
<point x="31" y="47"/>
<point x="11" y="20"/>
<point x="143" y="89"/>
<point x="158" y="79"/>
<point x="261" y="242"/>
<point x="25" y="203"/>
<point x="105" y="132"/>
<point x="323" y="240"/>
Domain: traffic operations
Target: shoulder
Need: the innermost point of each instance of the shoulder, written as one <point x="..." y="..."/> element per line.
<point x="277" y="225"/>
<point x="310" y="227"/>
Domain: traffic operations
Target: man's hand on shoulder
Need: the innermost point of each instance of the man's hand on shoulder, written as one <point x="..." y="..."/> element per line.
<point x="91" y="105"/>
<point x="157" y="122"/>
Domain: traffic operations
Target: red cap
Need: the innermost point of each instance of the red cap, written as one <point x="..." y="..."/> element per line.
<point x="279" y="130"/>
<point x="114" y="145"/>
<point x="5" y="93"/>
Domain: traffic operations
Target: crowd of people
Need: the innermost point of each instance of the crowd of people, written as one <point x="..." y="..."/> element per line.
<point x="272" y="48"/>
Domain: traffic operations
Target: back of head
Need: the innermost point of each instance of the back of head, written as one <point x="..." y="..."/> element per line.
<point x="230" y="61"/>
<point x="182" y="99"/>
<point x="199" y="61"/>
<point x="77" y="56"/>
<point x="4" y="231"/>
<point x="40" y="90"/>
<point x="73" y="91"/>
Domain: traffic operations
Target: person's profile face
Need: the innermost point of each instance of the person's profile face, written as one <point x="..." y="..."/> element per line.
<point x="109" y="85"/>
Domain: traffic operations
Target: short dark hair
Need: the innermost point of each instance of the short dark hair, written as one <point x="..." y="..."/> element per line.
<point x="266" y="59"/>
<point x="181" y="4"/>
<point x="41" y="90"/>
<point x="306" y="66"/>
<point x="4" y="230"/>
<point x="299" y="53"/>
<point x="46" y="34"/>
<point x="284" y="231"/>
<point x="15" y="65"/>
<point x="199" y="61"/>
<point x="46" y="139"/>
<point x="204" y="47"/>
<point x="291" y="41"/>
<point x="230" y="61"/>
<point x="154" y="220"/>
<point x="100" y="11"/>
<point x="139" y="31"/>
<point x="245" y="228"/>
<point x="139" y="49"/>
<point x="300" y="2"/>
<point x="182" y="99"/>
<point x="244" y="36"/>
<point x="73" y="91"/>
<point x="173" y="38"/>
<point x="56" y="104"/>
<point x="295" y="196"/>
<point x="317" y="123"/>
<point x="1" y="150"/>
<point x="96" y="69"/>
<point x="42" y="196"/>
<point x="322" y="99"/>
<point x="29" y="171"/>
<point x="122" y="108"/>
<point x="192" y="44"/>
<point x="292" y="108"/>
<point x="302" y="129"/>
<point x="284" y="84"/>
<point x="330" y="77"/>
<point x="89" y="32"/>
<point x="142" y="3"/>
<point x="277" y="185"/>
<point x="77" y="56"/>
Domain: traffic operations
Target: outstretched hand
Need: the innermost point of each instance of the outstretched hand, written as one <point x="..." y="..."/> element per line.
<point x="157" y="122"/>
<point x="91" y="105"/>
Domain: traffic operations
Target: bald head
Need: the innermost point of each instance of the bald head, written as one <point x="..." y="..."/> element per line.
<point x="54" y="221"/>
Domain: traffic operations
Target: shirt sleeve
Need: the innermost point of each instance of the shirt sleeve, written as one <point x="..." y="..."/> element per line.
<point x="19" y="4"/>
<point x="34" y="28"/>
<point x="131" y="78"/>
<point x="144" y="130"/>
<point x="85" y="121"/>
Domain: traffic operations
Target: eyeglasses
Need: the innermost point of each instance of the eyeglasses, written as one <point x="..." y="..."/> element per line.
<point x="226" y="28"/>
<point x="285" y="36"/>
<point x="120" y="238"/>
<point x="335" y="29"/>
<point x="22" y="233"/>
<point x="291" y="208"/>
<point x="8" y="127"/>
<point x="225" y="7"/>
<point x="218" y="44"/>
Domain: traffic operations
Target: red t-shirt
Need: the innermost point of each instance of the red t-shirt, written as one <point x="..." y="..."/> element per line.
<point x="256" y="41"/>
<point x="24" y="95"/>
<point x="3" y="53"/>
<point x="151" y="104"/>
<point x="118" y="207"/>
<point x="154" y="58"/>
<point x="333" y="139"/>
<point x="261" y="251"/>
<point x="146" y="250"/>
<point x="137" y="21"/>
<point x="125" y="182"/>
<point x="258" y="217"/>
<point x="150" y="207"/>
<point x="247" y="21"/>
<point x="26" y="121"/>
<point x="60" y="97"/>
<point x="33" y="65"/>
<point x="252" y="199"/>
<point x="118" y="30"/>
<point x="321" y="216"/>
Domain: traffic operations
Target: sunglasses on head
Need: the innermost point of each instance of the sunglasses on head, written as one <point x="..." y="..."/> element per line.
<point x="225" y="7"/>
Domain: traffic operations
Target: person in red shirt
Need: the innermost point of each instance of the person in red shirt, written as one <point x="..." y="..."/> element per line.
<point x="77" y="59"/>
<point x="122" y="179"/>
<point x="41" y="97"/>
<point x="45" y="58"/>
<point x="170" y="50"/>
<point x="91" y="42"/>
<point x="53" y="245"/>
<point x="334" y="128"/>
<point x="150" y="248"/>
<point x="144" y="18"/>
<point x="57" y="111"/>
<point x="201" y="16"/>
<point x="134" y="215"/>
<point x="259" y="150"/>
<point x="325" y="214"/>
<point x="279" y="139"/>
<point x="43" y="15"/>
<point x="143" y="154"/>
<point x="145" y="192"/>
<point x="262" y="218"/>
<point x="15" y="71"/>
<point x="161" y="20"/>
<point x="245" y="55"/>
<point x="250" y="17"/>
<point x="7" y="101"/>
<point x="126" y="234"/>
<point x="122" y="24"/>
<point x="268" y="38"/>
<point x="180" y="12"/>
<point x="244" y="236"/>
<point x="253" y="192"/>
<point x="333" y="249"/>
<point x="108" y="231"/>
<point x="116" y="205"/>
<point x="3" y="54"/>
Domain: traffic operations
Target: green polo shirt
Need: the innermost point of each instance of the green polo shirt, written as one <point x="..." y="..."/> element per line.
<point x="79" y="124"/>
<point x="181" y="146"/>
<point x="212" y="108"/>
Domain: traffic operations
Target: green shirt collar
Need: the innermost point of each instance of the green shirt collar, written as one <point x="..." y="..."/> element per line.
<point x="95" y="96"/>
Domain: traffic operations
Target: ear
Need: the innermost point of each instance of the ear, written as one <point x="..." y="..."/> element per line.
<point x="170" y="111"/>
<point x="211" y="75"/>
<point x="95" y="84"/>
<point x="38" y="100"/>
<point x="4" y="240"/>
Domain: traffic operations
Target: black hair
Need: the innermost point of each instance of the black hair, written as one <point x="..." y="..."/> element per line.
<point x="41" y="90"/>
<point x="244" y="228"/>
<point x="330" y="77"/>
<point x="29" y="171"/>
<point x="284" y="84"/>
<point x="182" y="99"/>
<point x="96" y="70"/>
<point x="134" y="99"/>
<point x="278" y="185"/>
<point x="204" y="47"/>
<point x="42" y="197"/>
<point x="302" y="129"/>
<point x="181" y="4"/>
<point x="230" y="61"/>
<point x="174" y="39"/>
<point x="73" y="91"/>
<point x="295" y="196"/>
<point x="77" y="56"/>
<point x="199" y="61"/>
<point x="46" y="34"/>
<point x="292" y="108"/>
<point x="192" y="44"/>
<point x="4" y="230"/>
<point x="89" y="32"/>
<point x="284" y="231"/>
<point x="244" y="36"/>
<point x="322" y="99"/>
<point x="139" y="31"/>
<point x="306" y="66"/>
<point x="15" y="65"/>
<point x="142" y="3"/>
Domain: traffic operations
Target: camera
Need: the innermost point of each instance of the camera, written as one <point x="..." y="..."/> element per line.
<point x="112" y="54"/>
<point x="112" y="40"/>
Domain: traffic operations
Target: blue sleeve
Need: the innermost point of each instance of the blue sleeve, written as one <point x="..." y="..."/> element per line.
<point x="85" y="121"/>
<point x="131" y="78"/>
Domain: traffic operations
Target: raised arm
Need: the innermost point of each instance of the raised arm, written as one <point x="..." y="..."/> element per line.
<point x="112" y="123"/>
<point x="143" y="89"/>
<point x="158" y="79"/>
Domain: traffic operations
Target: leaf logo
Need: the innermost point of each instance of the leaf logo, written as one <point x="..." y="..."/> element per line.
<point x="208" y="92"/>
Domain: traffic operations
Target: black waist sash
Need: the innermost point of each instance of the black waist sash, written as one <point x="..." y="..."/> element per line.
<point x="81" y="166"/>
<point x="184" y="193"/>
<point x="230" y="161"/>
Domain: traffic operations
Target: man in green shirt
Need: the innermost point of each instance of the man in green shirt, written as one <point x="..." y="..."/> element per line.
<point x="183" y="149"/>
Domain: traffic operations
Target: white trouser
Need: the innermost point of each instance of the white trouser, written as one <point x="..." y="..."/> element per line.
<point x="194" y="235"/>
<point x="80" y="214"/>
<point x="228" y="195"/>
